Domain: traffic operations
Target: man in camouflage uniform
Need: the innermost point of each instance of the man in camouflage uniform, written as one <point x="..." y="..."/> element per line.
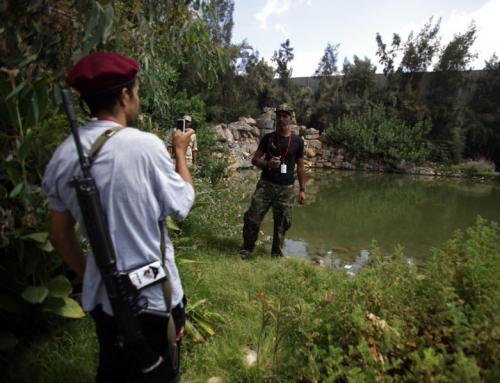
<point x="277" y="155"/>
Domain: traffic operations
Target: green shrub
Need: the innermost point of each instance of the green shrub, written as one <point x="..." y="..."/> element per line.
<point x="213" y="163"/>
<point x="475" y="168"/>
<point x="396" y="322"/>
<point x="374" y="135"/>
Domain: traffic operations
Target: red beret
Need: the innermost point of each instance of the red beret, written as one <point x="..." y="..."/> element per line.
<point x="101" y="71"/>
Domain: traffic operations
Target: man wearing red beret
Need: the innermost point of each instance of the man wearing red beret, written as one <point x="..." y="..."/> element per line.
<point x="139" y="185"/>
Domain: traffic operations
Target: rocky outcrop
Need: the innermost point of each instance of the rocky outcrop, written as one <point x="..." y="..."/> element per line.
<point x="242" y="139"/>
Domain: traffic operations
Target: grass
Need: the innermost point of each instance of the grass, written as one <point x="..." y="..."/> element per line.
<point x="67" y="353"/>
<point x="392" y="322"/>
<point x="231" y="288"/>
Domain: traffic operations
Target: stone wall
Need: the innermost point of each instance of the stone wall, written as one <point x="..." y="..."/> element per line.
<point x="242" y="139"/>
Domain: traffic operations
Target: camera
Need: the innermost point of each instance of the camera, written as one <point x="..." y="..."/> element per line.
<point x="181" y="124"/>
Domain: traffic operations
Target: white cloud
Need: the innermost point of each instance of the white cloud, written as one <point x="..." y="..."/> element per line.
<point x="488" y="29"/>
<point x="272" y="7"/>
<point x="283" y="29"/>
<point x="305" y="63"/>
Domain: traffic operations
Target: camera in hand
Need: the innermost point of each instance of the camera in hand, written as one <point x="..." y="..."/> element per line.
<point x="181" y="124"/>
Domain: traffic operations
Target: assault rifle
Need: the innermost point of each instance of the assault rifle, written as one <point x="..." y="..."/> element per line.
<point x="123" y="295"/>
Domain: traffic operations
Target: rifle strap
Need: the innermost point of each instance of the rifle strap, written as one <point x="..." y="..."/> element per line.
<point x="101" y="140"/>
<point x="167" y="295"/>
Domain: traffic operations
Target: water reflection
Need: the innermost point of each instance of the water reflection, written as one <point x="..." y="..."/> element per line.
<point x="348" y="210"/>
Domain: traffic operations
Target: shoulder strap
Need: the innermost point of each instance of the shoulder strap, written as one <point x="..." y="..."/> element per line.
<point x="101" y="140"/>
<point x="167" y="295"/>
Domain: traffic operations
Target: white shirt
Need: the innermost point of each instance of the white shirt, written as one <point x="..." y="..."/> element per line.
<point x="192" y="147"/>
<point x="138" y="186"/>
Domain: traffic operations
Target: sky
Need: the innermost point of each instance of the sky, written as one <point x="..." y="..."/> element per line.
<point x="311" y="24"/>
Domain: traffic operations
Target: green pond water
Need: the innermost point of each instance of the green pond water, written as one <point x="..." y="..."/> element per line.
<point x="346" y="211"/>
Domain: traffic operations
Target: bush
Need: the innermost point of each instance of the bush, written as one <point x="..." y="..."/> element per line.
<point x="475" y="168"/>
<point x="396" y="322"/>
<point x="374" y="135"/>
<point x="212" y="156"/>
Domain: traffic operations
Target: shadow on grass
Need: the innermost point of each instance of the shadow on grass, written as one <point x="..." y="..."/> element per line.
<point x="231" y="246"/>
<point x="222" y="244"/>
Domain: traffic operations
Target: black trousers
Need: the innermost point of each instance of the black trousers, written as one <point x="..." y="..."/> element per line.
<point x="118" y="365"/>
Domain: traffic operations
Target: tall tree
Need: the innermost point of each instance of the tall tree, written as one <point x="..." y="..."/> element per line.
<point x="403" y="91"/>
<point x="483" y="137"/>
<point x="283" y="57"/>
<point x="218" y="15"/>
<point x="327" y="106"/>
<point x="359" y="76"/>
<point x="388" y="56"/>
<point x="420" y="50"/>
<point x="448" y="96"/>
<point x="457" y="55"/>
<point x="358" y="85"/>
<point x="328" y="64"/>
<point x="248" y="57"/>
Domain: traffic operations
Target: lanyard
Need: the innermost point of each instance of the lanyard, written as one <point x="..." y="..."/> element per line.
<point x="283" y="156"/>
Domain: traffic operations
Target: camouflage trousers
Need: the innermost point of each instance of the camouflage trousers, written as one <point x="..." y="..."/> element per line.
<point x="267" y="195"/>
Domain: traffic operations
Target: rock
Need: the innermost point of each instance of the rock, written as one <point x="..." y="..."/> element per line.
<point x="295" y="129"/>
<point x="338" y="159"/>
<point x="249" y="147"/>
<point x="255" y="132"/>
<point x="220" y="132"/>
<point x="245" y="134"/>
<point x="347" y="166"/>
<point x="325" y="153"/>
<point x="248" y="120"/>
<point x="426" y="171"/>
<point x="215" y="379"/>
<point x="250" y="357"/>
<point x="311" y="136"/>
<point x="311" y="131"/>
<point x="229" y="136"/>
<point x="316" y="144"/>
<point x="320" y="262"/>
<point x="240" y="126"/>
<point x="235" y="133"/>
<point x="310" y="152"/>
<point x="302" y="130"/>
<point x="266" y="119"/>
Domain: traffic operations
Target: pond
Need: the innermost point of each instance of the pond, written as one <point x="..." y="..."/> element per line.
<point x="346" y="211"/>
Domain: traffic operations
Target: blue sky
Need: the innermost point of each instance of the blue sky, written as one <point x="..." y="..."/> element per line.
<point x="311" y="24"/>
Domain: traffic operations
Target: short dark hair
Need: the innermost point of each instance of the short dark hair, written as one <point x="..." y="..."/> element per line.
<point x="106" y="100"/>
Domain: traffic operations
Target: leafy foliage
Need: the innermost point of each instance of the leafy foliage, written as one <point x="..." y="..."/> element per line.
<point x="218" y="16"/>
<point x="483" y="135"/>
<point x="283" y="57"/>
<point x="359" y="78"/>
<point x="328" y="64"/>
<point x="40" y="41"/>
<point x="374" y="135"/>
<point x="408" y="324"/>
